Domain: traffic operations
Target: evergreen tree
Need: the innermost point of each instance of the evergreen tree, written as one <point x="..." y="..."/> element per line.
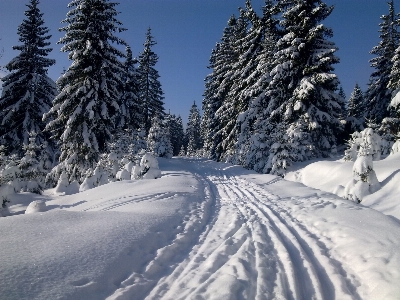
<point x="27" y="90"/>
<point x="303" y="88"/>
<point x="248" y="46"/>
<point x="177" y="134"/>
<point x="218" y="85"/>
<point x="158" y="140"/>
<point x="343" y="97"/>
<point x="150" y="91"/>
<point x="193" y="135"/>
<point x="379" y="91"/>
<point x="85" y="110"/>
<point x="252" y="141"/>
<point x="355" y="107"/>
<point x="131" y="115"/>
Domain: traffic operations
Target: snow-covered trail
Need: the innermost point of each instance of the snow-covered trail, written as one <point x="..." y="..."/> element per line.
<point x="254" y="247"/>
<point x="204" y="230"/>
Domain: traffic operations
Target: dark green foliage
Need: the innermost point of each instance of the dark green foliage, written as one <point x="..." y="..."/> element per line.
<point x="84" y="112"/>
<point x="27" y="90"/>
<point x="150" y="92"/>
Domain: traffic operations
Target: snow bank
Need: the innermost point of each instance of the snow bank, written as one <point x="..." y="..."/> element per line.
<point x="332" y="176"/>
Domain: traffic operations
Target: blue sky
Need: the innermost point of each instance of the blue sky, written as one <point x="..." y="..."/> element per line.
<point x="186" y="31"/>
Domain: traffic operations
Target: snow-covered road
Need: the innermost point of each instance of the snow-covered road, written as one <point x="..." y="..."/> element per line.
<point x="234" y="234"/>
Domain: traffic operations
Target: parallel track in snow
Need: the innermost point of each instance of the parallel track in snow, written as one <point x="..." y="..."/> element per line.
<point x="247" y="246"/>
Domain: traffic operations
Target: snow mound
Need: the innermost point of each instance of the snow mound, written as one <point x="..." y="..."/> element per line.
<point x="36" y="206"/>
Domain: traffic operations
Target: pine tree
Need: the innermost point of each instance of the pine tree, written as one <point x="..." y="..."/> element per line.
<point x="355" y="107"/>
<point x="303" y="86"/>
<point x="27" y="90"/>
<point x="85" y="110"/>
<point x="343" y="97"/>
<point x="150" y="91"/>
<point x="131" y="116"/>
<point x="248" y="46"/>
<point x="193" y="135"/>
<point x="379" y="91"/>
<point x="158" y="140"/>
<point x="252" y="141"/>
<point x="177" y="134"/>
<point x="218" y="85"/>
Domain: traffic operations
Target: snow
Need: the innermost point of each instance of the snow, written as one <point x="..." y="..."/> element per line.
<point x="207" y="230"/>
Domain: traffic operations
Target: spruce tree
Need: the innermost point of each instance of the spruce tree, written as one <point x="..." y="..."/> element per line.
<point x="253" y="139"/>
<point x="158" y="140"/>
<point x="379" y="92"/>
<point x="85" y="110"/>
<point x="177" y="134"/>
<point x="27" y="90"/>
<point x="355" y="107"/>
<point x="131" y="110"/>
<point x="193" y="135"/>
<point x="303" y="88"/>
<point x="248" y="46"/>
<point x="218" y="85"/>
<point x="343" y="104"/>
<point x="150" y="91"/>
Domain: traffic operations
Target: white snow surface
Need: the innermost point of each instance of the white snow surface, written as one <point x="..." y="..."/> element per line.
<point x="204" y="230"/>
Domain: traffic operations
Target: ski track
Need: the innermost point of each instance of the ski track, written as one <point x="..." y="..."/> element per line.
<point x="239" y="243"/>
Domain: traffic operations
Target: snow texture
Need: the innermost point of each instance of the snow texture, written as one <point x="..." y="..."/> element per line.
<point x="206" y="230"/>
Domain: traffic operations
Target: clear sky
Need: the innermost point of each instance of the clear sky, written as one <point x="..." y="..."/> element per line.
<point x="186" y="31"/>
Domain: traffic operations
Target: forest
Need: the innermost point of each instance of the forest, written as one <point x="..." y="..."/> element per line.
<point x="272" y="98"/>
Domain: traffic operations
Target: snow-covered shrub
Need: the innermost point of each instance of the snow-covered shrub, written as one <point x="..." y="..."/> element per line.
<point x="158" y="140"/>
<point x="148" y="168"/>
<point x="182" y="152"/>
<point x="33" y="169"/>
<point x="36" y="206"/>
<point x="94" y="179"/>
<point x="396" y="145"/>
<point x="350" y="154"/>
<point x="364" y="180"/>
<point x="65" y="187"/>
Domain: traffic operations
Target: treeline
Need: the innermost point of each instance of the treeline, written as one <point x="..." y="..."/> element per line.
<point x="106" y="107"/>
<point x="273" y="98"/>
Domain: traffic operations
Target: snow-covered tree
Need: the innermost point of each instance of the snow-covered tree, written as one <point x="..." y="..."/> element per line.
<point x="131" y="110"/>
<point x="158" y="140"/>
<point x="303" y="86"/>
<point x="380" y="91"/>
<point x="27" y="90"/>
<point x="85" y="109"/>
<point x="364" y="180"/>
<point x="355" y="107"/>
<point x="33" y="166"/>
<point x="177" y="134"/>
<point x="193" y="135"/>
<point x="218" y="85"/>
<point x="150" y="92"/>
<point x="342" y="95"/>
<point x="252" y="143"/>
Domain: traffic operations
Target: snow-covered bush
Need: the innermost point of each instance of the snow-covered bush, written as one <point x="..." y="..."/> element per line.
<point x="350" y="154"/>
<point x="36" y="206"/>
<point x="33" y="169"/>
<point x="148" y="168"/>
<point x="158" y="140"/>
<point x="65" y="187"/>
<point x="94" y="179"/>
